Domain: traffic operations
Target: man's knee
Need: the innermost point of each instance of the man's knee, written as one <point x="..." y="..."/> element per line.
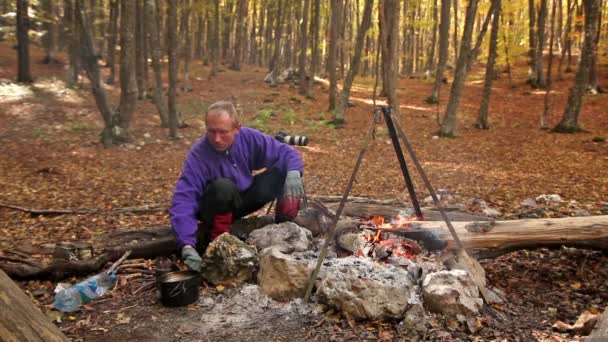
<point x="221" y="191"/>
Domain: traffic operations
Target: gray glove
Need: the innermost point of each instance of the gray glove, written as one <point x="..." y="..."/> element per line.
<point x="293" y="184"/>
<point x="191" y="258"/>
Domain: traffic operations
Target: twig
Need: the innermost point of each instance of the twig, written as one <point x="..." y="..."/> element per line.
<point x="23" y="261"/>
<point x="86" y="211"/>
<point x="23" y="255"/>
<point x="118" y="262"/>
<point x="144" y="286"/>
<point x="138" y="265"/>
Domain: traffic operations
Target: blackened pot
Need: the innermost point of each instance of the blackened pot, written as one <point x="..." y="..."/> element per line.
<point x="179" y="288"/>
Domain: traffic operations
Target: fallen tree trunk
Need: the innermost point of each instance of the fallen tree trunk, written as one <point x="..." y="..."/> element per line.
<point x="20" y="319"/>
<point x="483" y="239"/>
<point x="491" y="239"/>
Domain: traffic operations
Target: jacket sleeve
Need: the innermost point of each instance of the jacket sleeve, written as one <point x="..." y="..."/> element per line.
<point x="184" y="206"/>
<point x="270" y="152"/>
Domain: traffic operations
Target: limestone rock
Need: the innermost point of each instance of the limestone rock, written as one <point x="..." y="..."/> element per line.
<point x="228" y="259"/>
<point x="491" y="212"/>
<point x="364" y="289"/>
<point x="287" y="236"/>
<point x="451" y="292"/>
<point x="284" y="277"/>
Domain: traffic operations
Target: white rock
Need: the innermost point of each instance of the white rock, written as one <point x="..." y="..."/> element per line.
<point x="287" y="236"/>
<point x="529" y="202"/>
<point x="491" y="212"/>
<point x="282" y="276"/>
<point x="451" y="292"/>
<point x="364" y="289"/>
<point x="549" y="198"/>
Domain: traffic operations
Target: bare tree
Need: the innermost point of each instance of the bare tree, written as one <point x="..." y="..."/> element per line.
<point x="539" y="79"/>
<point x="23" y="41"/>
<point x="569" y="122"/>
<point x="140" y="58"/>
<point x="215" y="41"/>
<point x="240" y="35"/>
<point x="482" y="116"/>
<point x="448" y="125"/>
<point x="302" y="85"/>
<point x="185" y="44"/>
<point x="389" y="33"/>
<point x="567" y="40"/>
<point x="332" y="56"/>
<point x="532" y="43"/>
<point x="114" y="14"/>
<point x="73" y="44"/>
<point x="128" y="82"/>
<point x="276" y="55"/>
<point x="444" y="30"/>
<point x="354" y="64"/>
<point x="151" y="27"/>
<point x="173" y="65"/>
<point x="50" y="26"/>
<point x="544" y="124"/>
<point x="314" y="38"/>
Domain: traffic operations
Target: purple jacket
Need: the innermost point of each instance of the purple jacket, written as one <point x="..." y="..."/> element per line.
<point x="251" y="150"/>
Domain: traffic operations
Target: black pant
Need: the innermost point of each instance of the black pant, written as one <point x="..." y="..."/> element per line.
<point x="222" y="197"/>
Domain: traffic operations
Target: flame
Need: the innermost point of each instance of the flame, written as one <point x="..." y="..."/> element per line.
<point x="374" y="238"/>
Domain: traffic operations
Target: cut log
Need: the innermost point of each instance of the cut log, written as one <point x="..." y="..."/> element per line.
<point x="500" y="237"/>
<point x="600" y="332"/>
<point x="20" y="319"/>
<point x="367" y="210"/>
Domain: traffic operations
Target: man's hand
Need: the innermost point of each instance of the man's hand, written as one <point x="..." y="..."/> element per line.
<point x="293" y="184"/>
<point x="191" y="258"/>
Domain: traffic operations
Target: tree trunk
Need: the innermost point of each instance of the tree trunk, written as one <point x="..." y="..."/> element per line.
<point x="73" y="44"/>
<point x="50" y="26"/>
<point x="455" y="31"/>
<point x="334" y="31"/>
<point x="20" y="319"/>
<point x="109" y="135"/>
<point x="240" y="35"/>
<point x="185" y="43"/>
<point x="481" y="35"/>
<point x="302" y="84"/>
<point x="314" y="39"/>
<point x="540" y="45"/>
<point x="215" y="41"/>
<point x="140" y="58"/>
<point x="23" y="41"/>
<point x="544" y="122"/>
<point x="173" y="65"/>
<point x="198" y="36"/>
<point x="482" y="117"/>
<point x="253" y="44"/>
<point x="569" y="122"/>
<point x="151" y="27"/>
<point x="390" y="13"/>
<point x="444" y="30"/>
<point x="594" y="86"/>
<point x="226" y="30"/>
<point x="128" y="82"/>
<point x="532" y="43"/>
<point x="354" y="64"/>
<point x="114" y="14"/>
<point x="448" y="125"/>
<point x="276" y="55"/>
<point x="506" y="42"/>
<point x="431" y="55"/>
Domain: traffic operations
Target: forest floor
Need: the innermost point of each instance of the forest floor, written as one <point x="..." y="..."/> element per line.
<point x="52" y="159"/>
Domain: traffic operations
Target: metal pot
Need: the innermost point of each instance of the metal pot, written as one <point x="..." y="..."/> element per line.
<point x="179" y="288"/>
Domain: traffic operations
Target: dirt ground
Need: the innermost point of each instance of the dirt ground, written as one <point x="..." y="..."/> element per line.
<point x="52" y="159"/>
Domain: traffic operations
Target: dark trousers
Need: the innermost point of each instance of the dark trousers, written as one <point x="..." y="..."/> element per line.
<point x="222" y="197"/>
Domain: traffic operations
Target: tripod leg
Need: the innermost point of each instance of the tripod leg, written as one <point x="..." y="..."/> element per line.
<point x="388" y="117"/>
<point x="332" y="231"/>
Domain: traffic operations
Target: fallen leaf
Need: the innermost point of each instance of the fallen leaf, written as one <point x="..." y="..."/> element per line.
<point x="220" y="288"/>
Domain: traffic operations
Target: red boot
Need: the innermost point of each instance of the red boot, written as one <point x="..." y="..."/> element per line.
<point x="286" y="209"/>
<point x="221" y="224"/>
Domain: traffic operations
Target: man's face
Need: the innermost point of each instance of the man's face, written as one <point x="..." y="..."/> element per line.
<point x="221" y="130"/>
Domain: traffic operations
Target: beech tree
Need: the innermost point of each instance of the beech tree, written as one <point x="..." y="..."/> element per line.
<point x="444" y="31"/>
<point x="448" y="124"/>
<point x="569" y="122"/>
<point x="23" y="42"/>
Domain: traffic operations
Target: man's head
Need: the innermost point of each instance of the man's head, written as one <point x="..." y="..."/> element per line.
<point x="223" y="125"/>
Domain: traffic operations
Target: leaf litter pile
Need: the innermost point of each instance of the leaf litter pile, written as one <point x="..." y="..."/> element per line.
<point x="52" y="159"/>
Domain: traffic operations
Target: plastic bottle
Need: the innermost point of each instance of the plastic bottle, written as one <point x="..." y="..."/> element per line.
<point x="70" y="299"/>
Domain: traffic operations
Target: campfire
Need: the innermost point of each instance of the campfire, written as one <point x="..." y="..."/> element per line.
<point x="383" y="240"/>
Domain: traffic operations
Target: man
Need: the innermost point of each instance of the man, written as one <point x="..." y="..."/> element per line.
<point x="217" y="186"/>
